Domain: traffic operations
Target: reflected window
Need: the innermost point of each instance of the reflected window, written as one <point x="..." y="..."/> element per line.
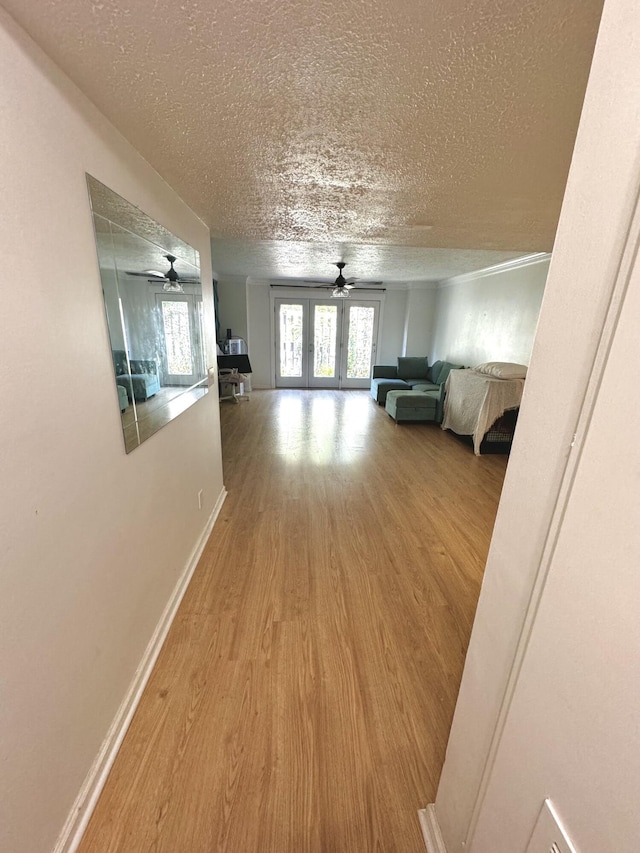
<point x="177" y="336"/>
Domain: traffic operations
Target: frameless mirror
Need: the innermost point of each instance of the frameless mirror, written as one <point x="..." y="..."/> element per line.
<point x="153" y="302"/>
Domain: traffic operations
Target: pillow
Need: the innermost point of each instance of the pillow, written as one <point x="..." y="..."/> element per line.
<point x="414" y="367"/>
<point x="502" y="370"/>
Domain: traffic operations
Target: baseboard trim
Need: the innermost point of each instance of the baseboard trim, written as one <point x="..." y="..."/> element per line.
<point x="89" y="794"/>
<point x="431" y="830"/>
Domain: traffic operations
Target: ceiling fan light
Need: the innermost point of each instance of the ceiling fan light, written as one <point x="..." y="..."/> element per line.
<point x="172" y="287"/>
<point x="340" y="292"/>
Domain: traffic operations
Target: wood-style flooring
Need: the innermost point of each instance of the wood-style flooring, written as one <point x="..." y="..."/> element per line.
<point x="303" y="698"/>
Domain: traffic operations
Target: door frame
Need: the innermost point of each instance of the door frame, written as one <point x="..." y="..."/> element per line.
<point x="301" y="292"/>
<point x="584" y="296"/>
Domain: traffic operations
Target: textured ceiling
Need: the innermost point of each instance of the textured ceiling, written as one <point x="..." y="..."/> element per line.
<point x="385" y="124"/>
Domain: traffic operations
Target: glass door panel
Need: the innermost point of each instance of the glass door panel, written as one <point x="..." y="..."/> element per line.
<point x="291" y="345"/>
<point x="359" y="341"/>
<point x="361" y="337"/>
<point x="291" y="340"/>
<point x="325" y="344"/>
<point x="324" y="340"/>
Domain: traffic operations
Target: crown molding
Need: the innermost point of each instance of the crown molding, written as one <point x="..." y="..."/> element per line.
<point x="517" y="263"/>
<point x="424" y="284"/>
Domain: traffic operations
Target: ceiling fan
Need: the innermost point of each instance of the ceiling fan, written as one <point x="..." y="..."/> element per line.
<point x="342" y="285"/>
<point x="172" y="281"/>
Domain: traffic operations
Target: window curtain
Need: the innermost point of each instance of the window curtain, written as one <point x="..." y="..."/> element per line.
<point x="217" y="313"/>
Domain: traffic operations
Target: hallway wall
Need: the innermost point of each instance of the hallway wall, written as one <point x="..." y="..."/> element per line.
<point x="92" y="541"/>
<point x="548" y="700"/>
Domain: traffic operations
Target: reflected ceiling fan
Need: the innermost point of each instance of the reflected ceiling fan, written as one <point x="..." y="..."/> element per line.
<point x="342" y="285"/>
<point x="172" y="281"/>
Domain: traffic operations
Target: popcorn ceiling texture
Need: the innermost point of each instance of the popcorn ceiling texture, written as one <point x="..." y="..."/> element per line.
<point x="349" y="122"/>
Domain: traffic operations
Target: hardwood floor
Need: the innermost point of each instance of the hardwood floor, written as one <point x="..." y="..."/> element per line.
<point x="303" y="698"/>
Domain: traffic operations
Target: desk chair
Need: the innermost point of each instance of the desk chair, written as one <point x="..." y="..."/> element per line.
<point x="229" y="367"/>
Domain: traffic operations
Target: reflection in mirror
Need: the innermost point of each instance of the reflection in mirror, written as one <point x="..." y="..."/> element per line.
<point x="153" y="302"/>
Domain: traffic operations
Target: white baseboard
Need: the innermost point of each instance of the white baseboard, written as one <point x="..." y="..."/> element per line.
<point x="87" y="798"/>
<point x="431" y="830"/>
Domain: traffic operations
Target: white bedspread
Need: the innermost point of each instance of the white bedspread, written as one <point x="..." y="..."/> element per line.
<point x="475" y="401"/>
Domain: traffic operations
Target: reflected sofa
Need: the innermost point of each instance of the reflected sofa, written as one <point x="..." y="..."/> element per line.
<point x="123" y="397"/>
<point x="142" y="382"/>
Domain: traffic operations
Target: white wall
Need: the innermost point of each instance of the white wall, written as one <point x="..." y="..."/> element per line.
<point x="393" y="323"/>
<point x="232" y="307"/>
<point x="419" y="320"/>
<point x="572" y="730"/>
<point x="141" y="321"/>
<point x="92" y="541"/>
<point x="489" y="316"/>
<point x="259" y="333"/>
<point x="556" y="623"/>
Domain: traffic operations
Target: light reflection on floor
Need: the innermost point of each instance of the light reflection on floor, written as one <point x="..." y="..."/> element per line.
<point x="322" y="427"/>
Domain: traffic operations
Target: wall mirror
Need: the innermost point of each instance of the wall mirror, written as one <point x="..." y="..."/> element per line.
<point x="153" y="303"/>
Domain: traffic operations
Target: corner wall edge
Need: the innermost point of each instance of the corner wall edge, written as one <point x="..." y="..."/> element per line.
<point x="431" y="830"/>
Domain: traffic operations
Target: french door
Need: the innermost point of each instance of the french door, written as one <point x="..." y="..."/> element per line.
<point x="325" y="343"/>
<point x="180" y="339"/>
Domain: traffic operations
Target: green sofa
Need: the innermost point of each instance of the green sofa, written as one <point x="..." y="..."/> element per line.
<point x="409" y="371"/>
<point x="412" y="391"/>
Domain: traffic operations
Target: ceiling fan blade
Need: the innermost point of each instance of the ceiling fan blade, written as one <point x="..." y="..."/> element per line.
<point x="153" y="275"/>
<point x="348" y="286"/>
<point x="148" y="274"/>
<point x="351" y="280"/>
